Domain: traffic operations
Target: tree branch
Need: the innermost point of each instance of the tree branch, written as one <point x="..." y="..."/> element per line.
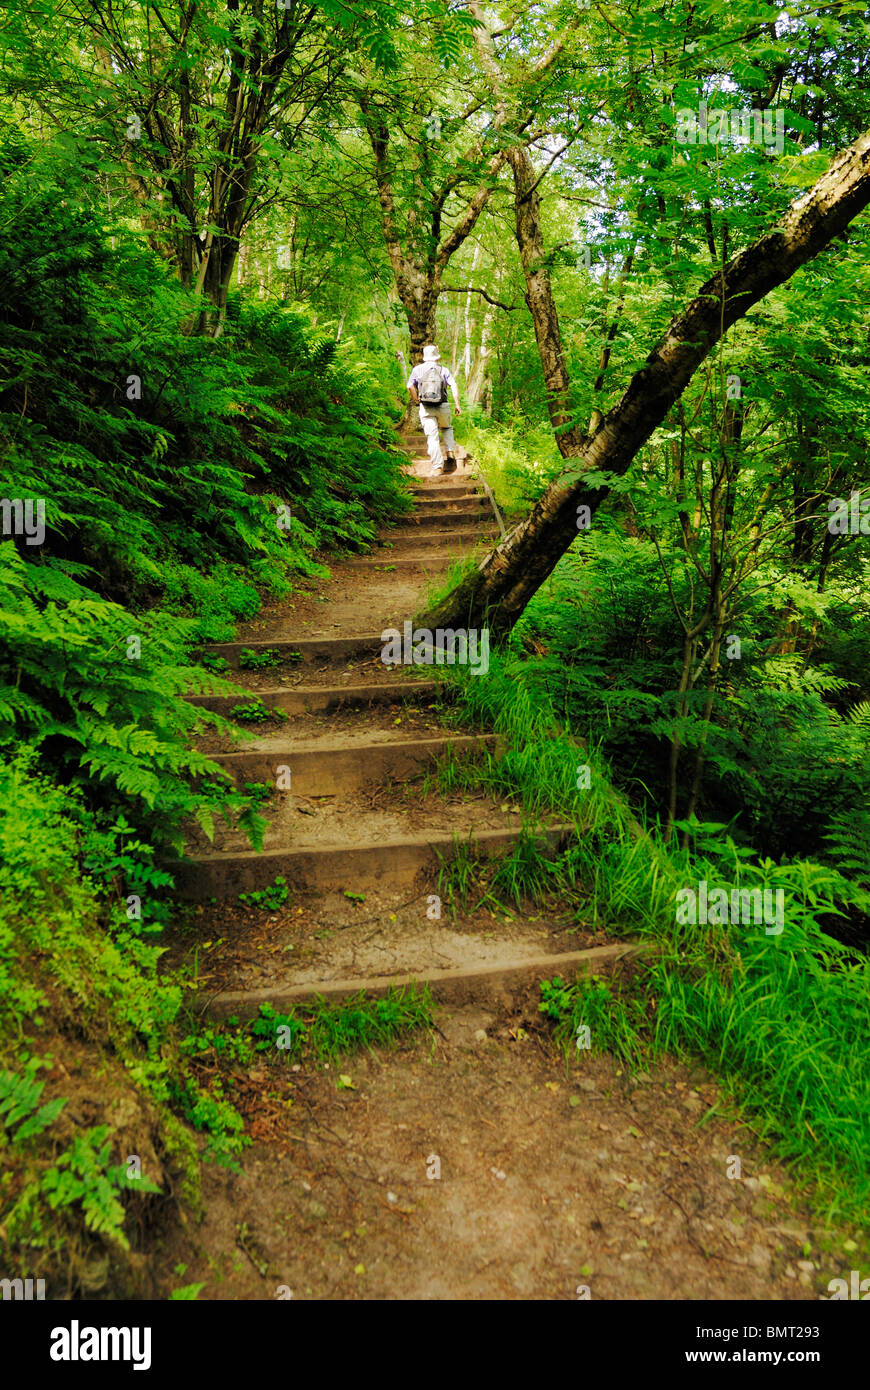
<point x="470" y="289"/>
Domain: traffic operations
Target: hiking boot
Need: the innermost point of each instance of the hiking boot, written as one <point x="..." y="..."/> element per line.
<point x="437" y="473"/>
<point x="450" y="464"/>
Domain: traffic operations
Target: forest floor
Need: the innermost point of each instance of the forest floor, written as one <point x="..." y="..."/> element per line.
<point x="473" y="1161"/>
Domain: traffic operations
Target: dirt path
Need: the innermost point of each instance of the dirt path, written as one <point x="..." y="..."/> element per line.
<point x="541" y="1182"/>
<point x="472" y="1164"/>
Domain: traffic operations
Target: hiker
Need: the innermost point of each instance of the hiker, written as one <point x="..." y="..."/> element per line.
<point x="428" y="384"/>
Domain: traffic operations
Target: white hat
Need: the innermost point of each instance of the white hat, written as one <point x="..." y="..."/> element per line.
<point x="431" y="354"/>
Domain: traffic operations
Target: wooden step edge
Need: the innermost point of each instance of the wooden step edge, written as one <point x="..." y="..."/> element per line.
<point x="332" y="864"/>
<point x="320" y="699"/>
<point x="462" y="507"/>
<point x="434" y="489"/>
<point x="373" y="749"/>
<point x="433" y="538"/>
<point x="432" y="560"/>
<point x="439" y="526"/>
<point x="444" y="502"/>
<point x="433" y="555"/>
<point x="455" y="985"/>
<point x="455" y="521"/>
<point x="309" y="648"/>
<point x="437" y="487"/>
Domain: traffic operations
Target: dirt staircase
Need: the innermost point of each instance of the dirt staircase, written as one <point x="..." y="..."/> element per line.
<point x="474" y="1161"/>
<point x="356" y="830"/>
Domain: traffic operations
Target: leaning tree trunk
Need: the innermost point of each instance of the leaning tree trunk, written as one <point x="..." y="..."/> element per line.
<point x="496" y="593"/>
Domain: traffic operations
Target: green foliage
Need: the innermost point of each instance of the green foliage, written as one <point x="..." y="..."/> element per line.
<point x="117" y="728"/>
<point x="163" y="460"/>
<point x="72" y="963"/>
<point x="269" y="899"/>
<point x="83" y="1175"/>
<point x="255" y="712"/>
<point x="293" y="1030"/>
<point x="222" y="1042"/>
<point x="556" y="999"/>
<point x="217" y="664"/>
<point x="257" y="661"/>
<point x="847" y="847"/>
<point x="332" y="1030"/>
<point x="467" y="881"/>
<point x="523" y="873"/>
<point x="517" y="457"/>
<point x="219" y="436"/>
<point x="80" y="1179"/>
<point x="258" y="793"/>
<point x="19" y="1103"/>
<point x="188" y="1293"/>
<point x="212" y="1113"/>
<point x="783" y="757"/>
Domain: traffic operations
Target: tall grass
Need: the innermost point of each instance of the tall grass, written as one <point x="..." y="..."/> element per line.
<point x="518" y="461"/>
<point x="782" y="1019"/>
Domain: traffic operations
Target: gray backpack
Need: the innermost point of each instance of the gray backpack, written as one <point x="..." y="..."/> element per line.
<point x="431" y="390"/>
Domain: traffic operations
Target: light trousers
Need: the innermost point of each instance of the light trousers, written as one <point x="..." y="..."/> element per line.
<point x="433" y="419"/>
